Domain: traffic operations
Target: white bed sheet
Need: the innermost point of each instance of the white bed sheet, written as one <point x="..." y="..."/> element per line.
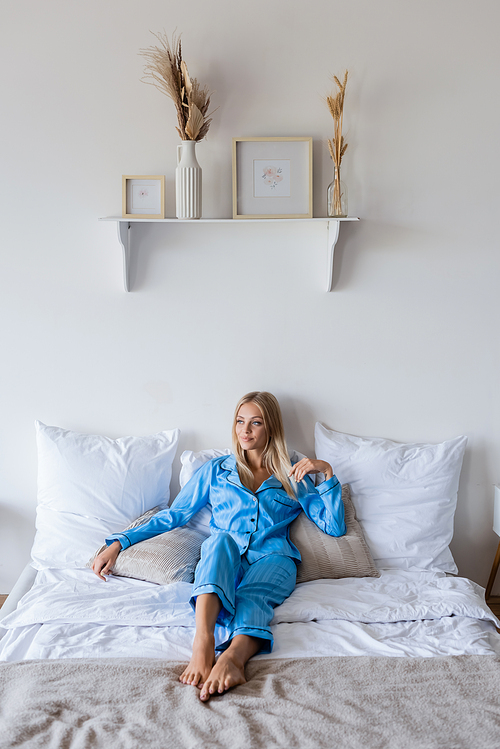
<point x="72" y="614"/>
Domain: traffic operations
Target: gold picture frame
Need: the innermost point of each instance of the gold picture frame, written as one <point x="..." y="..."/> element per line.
<point x="143" y="196"/>
<point x="272" y="177"/>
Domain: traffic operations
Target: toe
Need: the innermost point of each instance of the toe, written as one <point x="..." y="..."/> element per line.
<point x="215" y="687"/>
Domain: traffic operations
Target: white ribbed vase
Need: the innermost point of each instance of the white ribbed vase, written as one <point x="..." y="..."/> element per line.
<point x="187" y="181"/>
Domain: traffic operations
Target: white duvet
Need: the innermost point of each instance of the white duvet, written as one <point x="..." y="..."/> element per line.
<point x="72" y="614"/>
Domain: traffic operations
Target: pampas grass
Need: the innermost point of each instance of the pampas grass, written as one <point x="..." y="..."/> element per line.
<point x="167" y="71"/>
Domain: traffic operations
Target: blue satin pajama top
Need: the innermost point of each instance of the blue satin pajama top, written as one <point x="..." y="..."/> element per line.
<point x="258" y="522"/>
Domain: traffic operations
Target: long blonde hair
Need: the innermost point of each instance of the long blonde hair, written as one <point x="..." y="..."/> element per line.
<point x="275" y="456"/>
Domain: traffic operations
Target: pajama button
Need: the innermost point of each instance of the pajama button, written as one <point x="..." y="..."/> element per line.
<point x="252" y="520"/>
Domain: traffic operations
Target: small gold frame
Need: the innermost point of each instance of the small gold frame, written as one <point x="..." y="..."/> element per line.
<point x="148" y="206"/>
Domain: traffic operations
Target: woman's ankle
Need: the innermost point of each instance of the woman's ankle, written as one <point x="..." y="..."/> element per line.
<point x="241" y="649"/>
<point x="203" y="638"/>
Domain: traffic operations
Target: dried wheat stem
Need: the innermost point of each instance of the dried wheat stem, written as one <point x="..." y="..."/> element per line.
<point x="337" y="146"/>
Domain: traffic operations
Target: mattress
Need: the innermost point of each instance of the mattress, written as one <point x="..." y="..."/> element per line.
<point x="73" y="614"/>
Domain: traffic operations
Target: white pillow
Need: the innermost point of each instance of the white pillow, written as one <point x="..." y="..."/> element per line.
<point x="192" y="462"/>
<point x="405" y="495"/>
<point x="91" y="486"/>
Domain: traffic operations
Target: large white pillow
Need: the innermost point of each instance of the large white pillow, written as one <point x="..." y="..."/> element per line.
<point x="405" y="495"/>
<point x="90" y="486"/>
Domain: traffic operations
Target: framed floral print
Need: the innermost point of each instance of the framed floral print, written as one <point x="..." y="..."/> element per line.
<point x="272" y="177"/>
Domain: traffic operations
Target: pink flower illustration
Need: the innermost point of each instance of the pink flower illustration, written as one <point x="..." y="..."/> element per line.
<point x="272" y="176"/>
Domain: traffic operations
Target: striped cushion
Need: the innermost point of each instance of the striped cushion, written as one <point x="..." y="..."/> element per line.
<point x="326" y="556"/>
<point x="168" y="558"/>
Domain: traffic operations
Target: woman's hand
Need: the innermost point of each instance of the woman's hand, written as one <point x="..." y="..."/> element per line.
<point x="106" y="559"/>
<point x="307" y="465"/>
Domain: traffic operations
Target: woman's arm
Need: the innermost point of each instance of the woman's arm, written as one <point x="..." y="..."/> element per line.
<point x="188" y="502"/>
<point x="322" y="504"/>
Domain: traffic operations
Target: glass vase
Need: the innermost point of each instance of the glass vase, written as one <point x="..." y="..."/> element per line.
<point x="336" y="199"/>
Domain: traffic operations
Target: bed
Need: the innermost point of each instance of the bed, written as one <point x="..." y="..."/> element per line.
<point x="382" y="644"/>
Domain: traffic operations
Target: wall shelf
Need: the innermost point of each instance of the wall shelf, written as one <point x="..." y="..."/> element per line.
<point x="124" y="226"/>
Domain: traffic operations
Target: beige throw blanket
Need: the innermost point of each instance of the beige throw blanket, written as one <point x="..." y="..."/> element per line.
<point x="375" y="703"/>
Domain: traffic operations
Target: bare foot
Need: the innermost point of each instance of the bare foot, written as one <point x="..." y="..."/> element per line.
<point x="201" y="663"/>
<point x="228" y="672"/>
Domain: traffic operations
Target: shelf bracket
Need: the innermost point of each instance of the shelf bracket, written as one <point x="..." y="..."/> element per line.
<point x="333" y="235"/>
<point x="124" y="237"/>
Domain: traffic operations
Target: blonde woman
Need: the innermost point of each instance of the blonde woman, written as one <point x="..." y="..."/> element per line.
<point x="248" y="564"/>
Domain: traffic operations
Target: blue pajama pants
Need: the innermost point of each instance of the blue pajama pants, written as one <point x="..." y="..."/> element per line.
<point x="248" y="592"/>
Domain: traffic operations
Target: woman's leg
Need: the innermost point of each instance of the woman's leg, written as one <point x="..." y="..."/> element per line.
<point x="213" y="595"/>
<point x="218" y="571"/>
<point x="265" y="584"/>
<point x="202" y="660"/>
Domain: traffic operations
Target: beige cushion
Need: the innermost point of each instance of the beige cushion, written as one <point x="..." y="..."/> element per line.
<point x="326" y="556"/>
<point x="168" y="558"/>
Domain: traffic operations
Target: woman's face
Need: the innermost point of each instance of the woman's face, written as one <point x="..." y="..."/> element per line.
<point x="250" y="429"/>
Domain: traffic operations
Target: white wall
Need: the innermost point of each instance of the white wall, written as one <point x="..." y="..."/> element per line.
<point x="405" y="347"/>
